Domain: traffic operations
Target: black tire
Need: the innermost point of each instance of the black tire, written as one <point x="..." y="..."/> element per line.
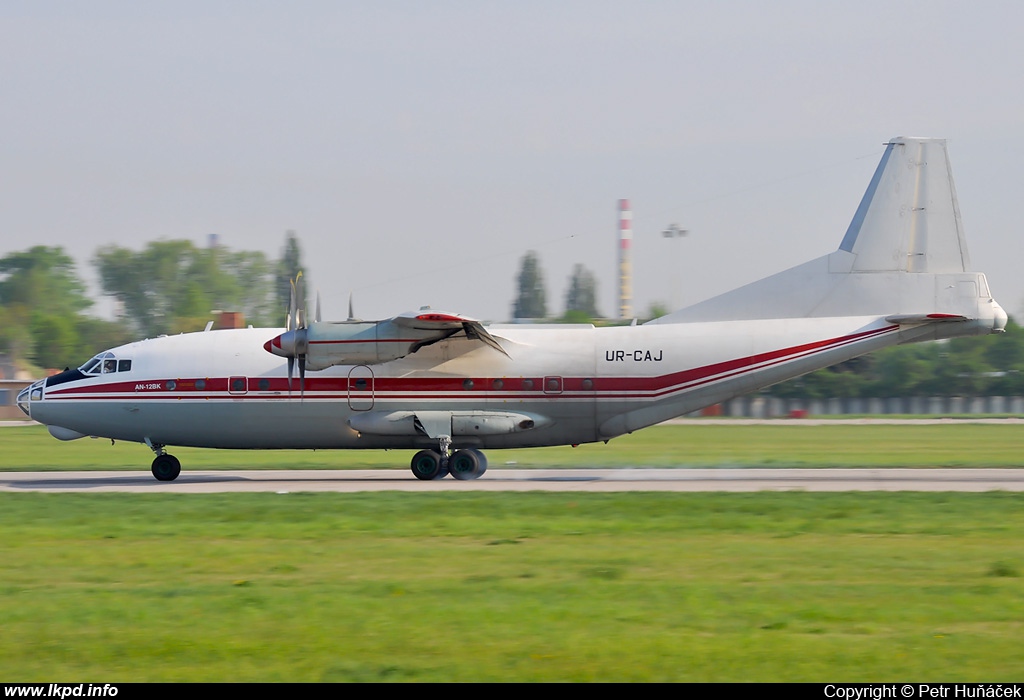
<point x="427" y="465"/>
<point x="467" y="464"/>
<point x="483" y="463"/>
<point x="166" y="467"/>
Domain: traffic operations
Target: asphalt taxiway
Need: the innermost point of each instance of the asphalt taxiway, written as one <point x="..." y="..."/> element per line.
<point x="578" y="480"/>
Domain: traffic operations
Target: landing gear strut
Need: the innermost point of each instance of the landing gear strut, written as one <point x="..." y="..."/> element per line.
<point x="165" y="467"/>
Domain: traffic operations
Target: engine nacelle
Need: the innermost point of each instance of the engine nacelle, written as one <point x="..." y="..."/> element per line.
<point x="328" y="344"/>
<point x="321" y="344"/>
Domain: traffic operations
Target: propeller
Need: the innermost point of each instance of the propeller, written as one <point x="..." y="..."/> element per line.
<point x="293" y="344"/>
<point x="297" y="325"/>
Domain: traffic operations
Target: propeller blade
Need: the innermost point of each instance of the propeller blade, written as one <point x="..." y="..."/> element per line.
<point x="290" y="321"/>
<point x="318" y="306"/>
<point x="351" y="313"/>
<point x="300" y="293"/>
<point x="302" y="377"/>
<point x="291" y="371"/>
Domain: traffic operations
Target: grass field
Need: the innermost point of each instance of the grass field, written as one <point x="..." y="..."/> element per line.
<point x="522" y="587"/>
<point x="774" y="445"/>
<point x="511" y="587"/>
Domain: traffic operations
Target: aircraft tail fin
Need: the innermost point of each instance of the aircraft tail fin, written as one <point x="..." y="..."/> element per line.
<point x="909" y="219"/>
<point x="904" y="255"/>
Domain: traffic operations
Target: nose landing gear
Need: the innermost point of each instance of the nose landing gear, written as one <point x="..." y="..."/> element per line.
<point x="165" y="467"/>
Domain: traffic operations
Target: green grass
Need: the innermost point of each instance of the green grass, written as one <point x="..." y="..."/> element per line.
<point x="511" y="587"/>
<point x="696" y="445"/>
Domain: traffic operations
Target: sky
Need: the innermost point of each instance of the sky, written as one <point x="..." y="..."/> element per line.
<point x="420" y="149"/>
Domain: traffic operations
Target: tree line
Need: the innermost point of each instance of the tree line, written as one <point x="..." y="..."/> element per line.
<point x="992" y="365"/>
<point x="531" y="298"/>
<point x="167" y="287"/>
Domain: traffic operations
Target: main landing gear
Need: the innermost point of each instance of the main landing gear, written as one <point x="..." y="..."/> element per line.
<point x="165" y="467"/>
<point x="426" y="464"/>
<point x="437" y="464"/>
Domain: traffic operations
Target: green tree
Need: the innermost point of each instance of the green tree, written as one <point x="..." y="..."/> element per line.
<point x="531" y="301"/>
<point x="56" y="341"/>
<point x="172" y="286"/>
<point x="42" y="277"/>
<point x="42" y="301"/>
<point x="581" y="298"/>
<point x="288" y="269"/>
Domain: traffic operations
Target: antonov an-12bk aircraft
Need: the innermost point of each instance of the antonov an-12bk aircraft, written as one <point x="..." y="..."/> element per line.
<point x="447" y="386"/>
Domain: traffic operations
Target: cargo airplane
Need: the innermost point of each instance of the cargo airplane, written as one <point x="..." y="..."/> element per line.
<point x="449" y="386"/>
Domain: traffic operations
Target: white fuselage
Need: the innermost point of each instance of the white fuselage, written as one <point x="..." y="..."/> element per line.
<point x="576" y="384"/>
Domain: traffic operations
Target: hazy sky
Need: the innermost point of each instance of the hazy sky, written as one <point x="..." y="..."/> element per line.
<point x="419" y="149"/>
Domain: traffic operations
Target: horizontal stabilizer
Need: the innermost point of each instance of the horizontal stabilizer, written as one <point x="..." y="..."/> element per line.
<point x="917" y="319"/>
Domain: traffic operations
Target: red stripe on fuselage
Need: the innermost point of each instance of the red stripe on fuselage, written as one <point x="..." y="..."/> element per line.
<point x="454" y="388"/>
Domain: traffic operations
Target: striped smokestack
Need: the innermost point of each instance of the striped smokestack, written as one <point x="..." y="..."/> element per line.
<point x="625" y="260"/>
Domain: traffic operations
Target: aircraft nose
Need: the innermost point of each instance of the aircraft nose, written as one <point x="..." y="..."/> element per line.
<point x="29" y="394"/>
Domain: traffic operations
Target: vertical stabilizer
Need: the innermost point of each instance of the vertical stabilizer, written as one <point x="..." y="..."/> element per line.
<point x="909" y="219"/>
<point x="904" y="254"/>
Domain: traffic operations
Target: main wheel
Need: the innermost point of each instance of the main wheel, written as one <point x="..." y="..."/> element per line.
<point x="166" y="467"/>
<point x="483" y="462"/>
<point x="427" y="465"/>
<point x="467" y="464"/>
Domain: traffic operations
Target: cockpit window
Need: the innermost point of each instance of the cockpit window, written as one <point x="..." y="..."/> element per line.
<point x="105" y="363"/>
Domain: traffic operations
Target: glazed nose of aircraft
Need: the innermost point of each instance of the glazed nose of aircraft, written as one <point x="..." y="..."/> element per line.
<point x="29" y="394"/>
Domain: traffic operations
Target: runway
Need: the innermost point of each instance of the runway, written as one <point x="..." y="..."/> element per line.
<point x="575" y="480"/>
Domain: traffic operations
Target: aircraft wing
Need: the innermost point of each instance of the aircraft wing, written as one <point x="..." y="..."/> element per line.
<point x="426" y="320"/>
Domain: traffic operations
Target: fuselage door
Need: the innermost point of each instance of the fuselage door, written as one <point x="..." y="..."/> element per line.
<point x="360" y="388"/>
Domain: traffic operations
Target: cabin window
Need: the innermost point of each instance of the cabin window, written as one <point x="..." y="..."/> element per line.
<point x="200" y="384"/>
<point x="264" y="385"/>
<point x="527" y="384"/>
<point x="588" y="384"/>
<point x="124" y="365"/>
<point x="552" y="385"/>
<point x="467" y="384"/>
<point x="171" y="385"/>
<point x="498" y="385"/>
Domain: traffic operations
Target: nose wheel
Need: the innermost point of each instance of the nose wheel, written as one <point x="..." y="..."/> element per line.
<point x="166" y="467"/>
